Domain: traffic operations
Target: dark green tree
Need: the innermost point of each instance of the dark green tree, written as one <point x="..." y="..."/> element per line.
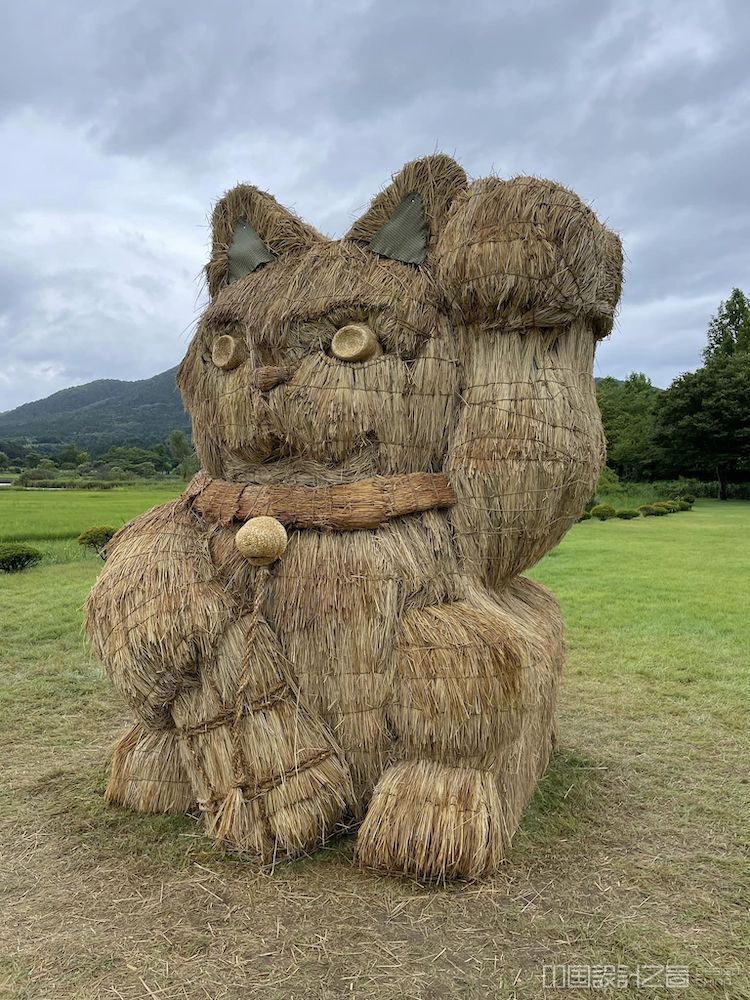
<point x="629" y="416"/>
<point x="162" y="458"/>
<point x="704" y="420"/>
<point x="729" y="330"/>
<point x="70" y="457"/>
<point x="183" y="454"/>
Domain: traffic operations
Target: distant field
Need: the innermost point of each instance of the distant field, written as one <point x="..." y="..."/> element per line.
<point x="49" y="515"/>
<point x="52" y="515"/>
<point x="632" y="854"/>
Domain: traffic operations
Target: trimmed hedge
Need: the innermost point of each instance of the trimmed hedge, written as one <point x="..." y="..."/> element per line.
<point x="97" y="537"/>
<point x="668" y="506"/>
<point x="653" y="510"/>
<point x="16" y="556"/>
<point x="77" y="484"/>
<point x="603" y="511"/>
<point x="685" y="489"/>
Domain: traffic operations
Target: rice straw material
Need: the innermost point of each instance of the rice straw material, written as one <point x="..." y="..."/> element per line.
<point x="390" y="668"/>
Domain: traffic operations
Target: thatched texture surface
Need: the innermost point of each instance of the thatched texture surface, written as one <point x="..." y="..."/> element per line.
<point x="390" y="668"/>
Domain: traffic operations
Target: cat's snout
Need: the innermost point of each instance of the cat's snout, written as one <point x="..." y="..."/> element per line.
<point x="355" y="342"/>
<point x="267" y="377"/>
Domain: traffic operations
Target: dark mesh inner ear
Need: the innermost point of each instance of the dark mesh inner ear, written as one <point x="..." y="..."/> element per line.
<point x="247" y="253"/>
<point x="404" y="236"/>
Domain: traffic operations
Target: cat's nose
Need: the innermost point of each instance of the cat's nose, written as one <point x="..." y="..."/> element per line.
<point x="355" y="342"/>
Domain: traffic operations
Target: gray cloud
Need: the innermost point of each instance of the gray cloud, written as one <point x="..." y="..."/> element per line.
<point x="121" y="121"/>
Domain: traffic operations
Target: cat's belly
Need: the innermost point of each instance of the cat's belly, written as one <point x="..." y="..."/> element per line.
<point x="336" y="601"/>
<point x="404" y="654"/>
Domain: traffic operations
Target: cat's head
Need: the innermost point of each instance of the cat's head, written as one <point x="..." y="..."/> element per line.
<point x="344" y="353"/>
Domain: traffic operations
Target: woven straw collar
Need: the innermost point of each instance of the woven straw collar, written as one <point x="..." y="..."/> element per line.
<point x="367" y="503"/>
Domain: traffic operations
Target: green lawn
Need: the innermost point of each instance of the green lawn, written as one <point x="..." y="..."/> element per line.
<point x="55" y="514"/>
<point x="634" y="852"/>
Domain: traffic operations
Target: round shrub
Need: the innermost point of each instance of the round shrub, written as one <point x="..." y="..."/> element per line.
<point x="628" y="515"/>
<point x="97" y="537"/>
<point x="684" y="505"/>
<point x="15" y="556"/>
<point x="585" y="516"/>
<point x="688" y="498"/>
<point x="647" y="509"/>
<point x="669" y="506"/>
<point x="672" y="505"/>
<point x="658" y="510"/>
<point x="603" y="511"/>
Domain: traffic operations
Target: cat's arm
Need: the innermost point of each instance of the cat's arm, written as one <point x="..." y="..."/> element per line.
<point x="157" y="609"/>
<point x="532" y="279"/>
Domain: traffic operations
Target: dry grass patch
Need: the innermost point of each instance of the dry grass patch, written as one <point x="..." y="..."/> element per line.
<point x="634" y="851"/>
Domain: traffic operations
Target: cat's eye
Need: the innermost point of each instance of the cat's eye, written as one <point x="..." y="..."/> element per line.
<point x="228" y="352"/>
<point x="355" y="342"/>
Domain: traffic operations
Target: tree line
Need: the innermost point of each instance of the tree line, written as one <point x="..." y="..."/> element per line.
<point x="120" y="463"/>
<point x="700" y="425"/>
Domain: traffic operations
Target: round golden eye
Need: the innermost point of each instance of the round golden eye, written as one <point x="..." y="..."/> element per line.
<point x="355" y="342"/>
<point x="228" y="352"/>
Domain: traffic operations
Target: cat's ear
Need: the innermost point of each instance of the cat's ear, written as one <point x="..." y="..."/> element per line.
<point x="249" y="231"/>
<point x="404" y="221"/>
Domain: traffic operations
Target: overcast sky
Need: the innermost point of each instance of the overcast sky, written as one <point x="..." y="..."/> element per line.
<point x="121" y="122"/>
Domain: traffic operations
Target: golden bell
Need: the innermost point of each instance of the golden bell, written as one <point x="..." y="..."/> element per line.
<point x="261" y="540"/>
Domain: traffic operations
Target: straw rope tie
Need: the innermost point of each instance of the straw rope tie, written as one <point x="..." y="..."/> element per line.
<point x="256" y="790"/>
<point x="239" y="763"/>
<point x="268" y="700"/>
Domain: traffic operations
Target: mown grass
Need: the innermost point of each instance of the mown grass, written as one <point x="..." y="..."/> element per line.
<point x="633" y="852"/>
<point x="59" y="514"/>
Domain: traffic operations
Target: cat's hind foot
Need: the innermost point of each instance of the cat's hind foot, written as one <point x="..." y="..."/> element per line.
<point x="435" y="822"/>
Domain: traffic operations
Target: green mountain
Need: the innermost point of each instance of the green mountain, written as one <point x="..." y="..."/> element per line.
<point x="100" y="414"/>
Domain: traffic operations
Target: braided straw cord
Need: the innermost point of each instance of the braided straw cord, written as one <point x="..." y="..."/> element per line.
<point x="285" y="783"/>
<point x="238" y="759"/>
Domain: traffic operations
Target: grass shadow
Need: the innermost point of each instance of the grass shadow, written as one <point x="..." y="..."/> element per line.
<point x="569" y="798"/>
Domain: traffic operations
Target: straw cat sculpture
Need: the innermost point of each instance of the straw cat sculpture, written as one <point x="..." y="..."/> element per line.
<point x="330" y="626"/>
